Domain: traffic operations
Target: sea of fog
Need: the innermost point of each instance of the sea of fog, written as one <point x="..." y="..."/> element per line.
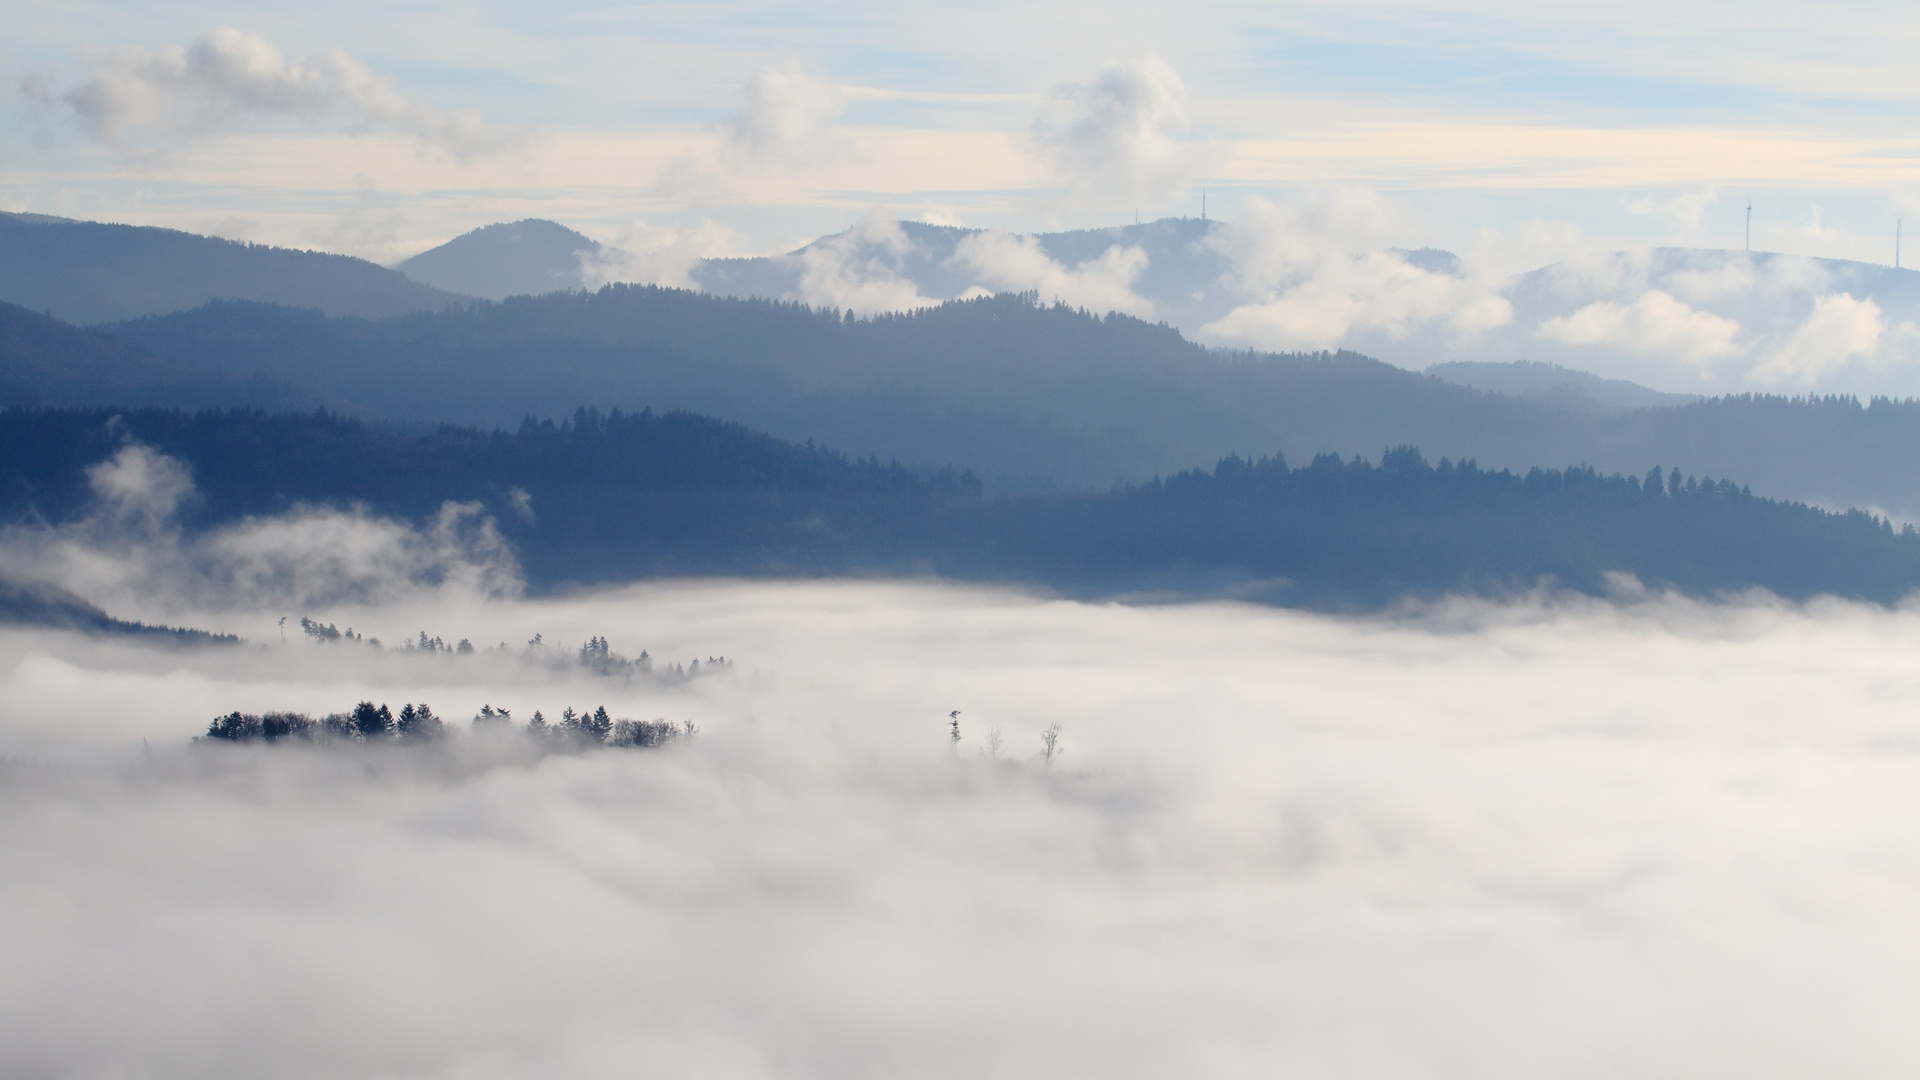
<point x="1647" y="837"/>
<point x="1643" y="836"/>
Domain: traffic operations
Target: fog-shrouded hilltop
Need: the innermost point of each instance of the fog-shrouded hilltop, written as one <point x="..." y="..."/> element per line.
<point x="1032" y="395"/>
<point x="522" y="258"/>
<point x="1680" y="320"/>
<point x="90" y="272"/>
<point x="619" y="497"/>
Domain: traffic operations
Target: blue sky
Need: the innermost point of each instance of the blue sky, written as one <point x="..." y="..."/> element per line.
<point x="1606" y="125"/>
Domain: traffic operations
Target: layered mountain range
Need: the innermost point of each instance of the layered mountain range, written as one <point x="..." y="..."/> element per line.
<point x="1029" y="397"/>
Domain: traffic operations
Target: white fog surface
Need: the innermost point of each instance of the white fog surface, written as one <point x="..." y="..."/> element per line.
<point x="1569" y="839"/>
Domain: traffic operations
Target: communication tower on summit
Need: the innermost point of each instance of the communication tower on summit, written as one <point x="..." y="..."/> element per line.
<point x="1749" y="224"/>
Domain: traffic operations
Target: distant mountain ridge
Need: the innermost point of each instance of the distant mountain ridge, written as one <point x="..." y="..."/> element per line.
<point x="1556" y="386"/>
<point x="1686" y="320"/>
<point x="87" y="272"/>
<point x="1033" y="395"/>
<point x="521" y="258"/>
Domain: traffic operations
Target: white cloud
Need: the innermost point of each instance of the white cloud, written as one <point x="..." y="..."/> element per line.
<point x="790" y="114"/>
<point x="1708" y="277"/>
<point x="141" y="100"/>
<point x="858" y="270"/>
<point x="785" y="135"/>
<point x="1002" y="262"/>
<point x="1684" y="208"/>
<point x="657" y="255"/>
<point x="1814" y="230"/>
<point x="1118" y="135"/>
<point x="130" y="553"/>
<point x="1655" y="323"/>
<point x="1839" y="329"/>
<point x="1607" y="274"/>
<point x="1317" y="274"/>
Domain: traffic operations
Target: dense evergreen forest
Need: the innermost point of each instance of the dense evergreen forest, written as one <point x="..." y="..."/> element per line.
<point x="1034" y="397"/>
<point x="617" y="496"/>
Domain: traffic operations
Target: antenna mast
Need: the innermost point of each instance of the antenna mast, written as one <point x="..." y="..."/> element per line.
<point x="1749" y="224"/>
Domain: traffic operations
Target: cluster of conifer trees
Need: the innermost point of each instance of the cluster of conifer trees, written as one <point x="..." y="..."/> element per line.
<point x="370" y="723"/>
<point x="596" y="654"/>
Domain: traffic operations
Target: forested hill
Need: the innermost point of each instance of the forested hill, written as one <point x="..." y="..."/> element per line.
<point x="617" y="496"/>
<point x="249" y="462"/>
<point x="44" y="361"/>
<point x="88" y="272"/>
<point x="1033" y="396"/>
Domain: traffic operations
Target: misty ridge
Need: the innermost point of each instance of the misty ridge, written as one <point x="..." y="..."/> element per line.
<point x="241" y="505"/>
<point x="1318" y="276"/>
<point x="1060" y="397"/>
<point x="1030" y="395"/>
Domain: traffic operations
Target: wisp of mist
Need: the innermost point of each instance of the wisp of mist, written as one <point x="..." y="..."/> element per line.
<point x="1650" y="837"/>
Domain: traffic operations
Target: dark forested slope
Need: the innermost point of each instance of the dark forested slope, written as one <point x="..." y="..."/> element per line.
<point x="44" y="361"/>
<point x="621" y="496"/>
<point x="1031" y="395"/>
<point x="88" y="272"/>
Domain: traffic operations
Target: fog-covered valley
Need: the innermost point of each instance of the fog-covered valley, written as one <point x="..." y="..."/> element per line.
<point x="1550" y="836"/>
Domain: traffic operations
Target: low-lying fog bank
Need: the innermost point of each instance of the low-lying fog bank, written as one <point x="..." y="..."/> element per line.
<point x="1652" y="839"/>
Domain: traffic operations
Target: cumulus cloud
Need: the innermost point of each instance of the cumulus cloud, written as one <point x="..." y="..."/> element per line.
<point x="1002" y="262"/>
<point x="787" y="126"/>
<point x="140" y="100"/>
<point x="1839" y="329"/>
<point x="789" y="114"/>
<point x="860" y="270"/>
<point x="131" y="554"/>
<point x="1653" y="324"/>
<point x="656" y="254"/>
<point x="1118" y="134"/>
<point x="1278" y="844"/>
<point x="1318" y="272"/>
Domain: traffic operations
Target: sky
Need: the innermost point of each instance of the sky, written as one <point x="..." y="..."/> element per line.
<point x="381" y="130"/>
<point x="1549" y="836"/>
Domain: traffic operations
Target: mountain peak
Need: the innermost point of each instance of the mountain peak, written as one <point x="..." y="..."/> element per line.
<point x="518" y="258"/>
